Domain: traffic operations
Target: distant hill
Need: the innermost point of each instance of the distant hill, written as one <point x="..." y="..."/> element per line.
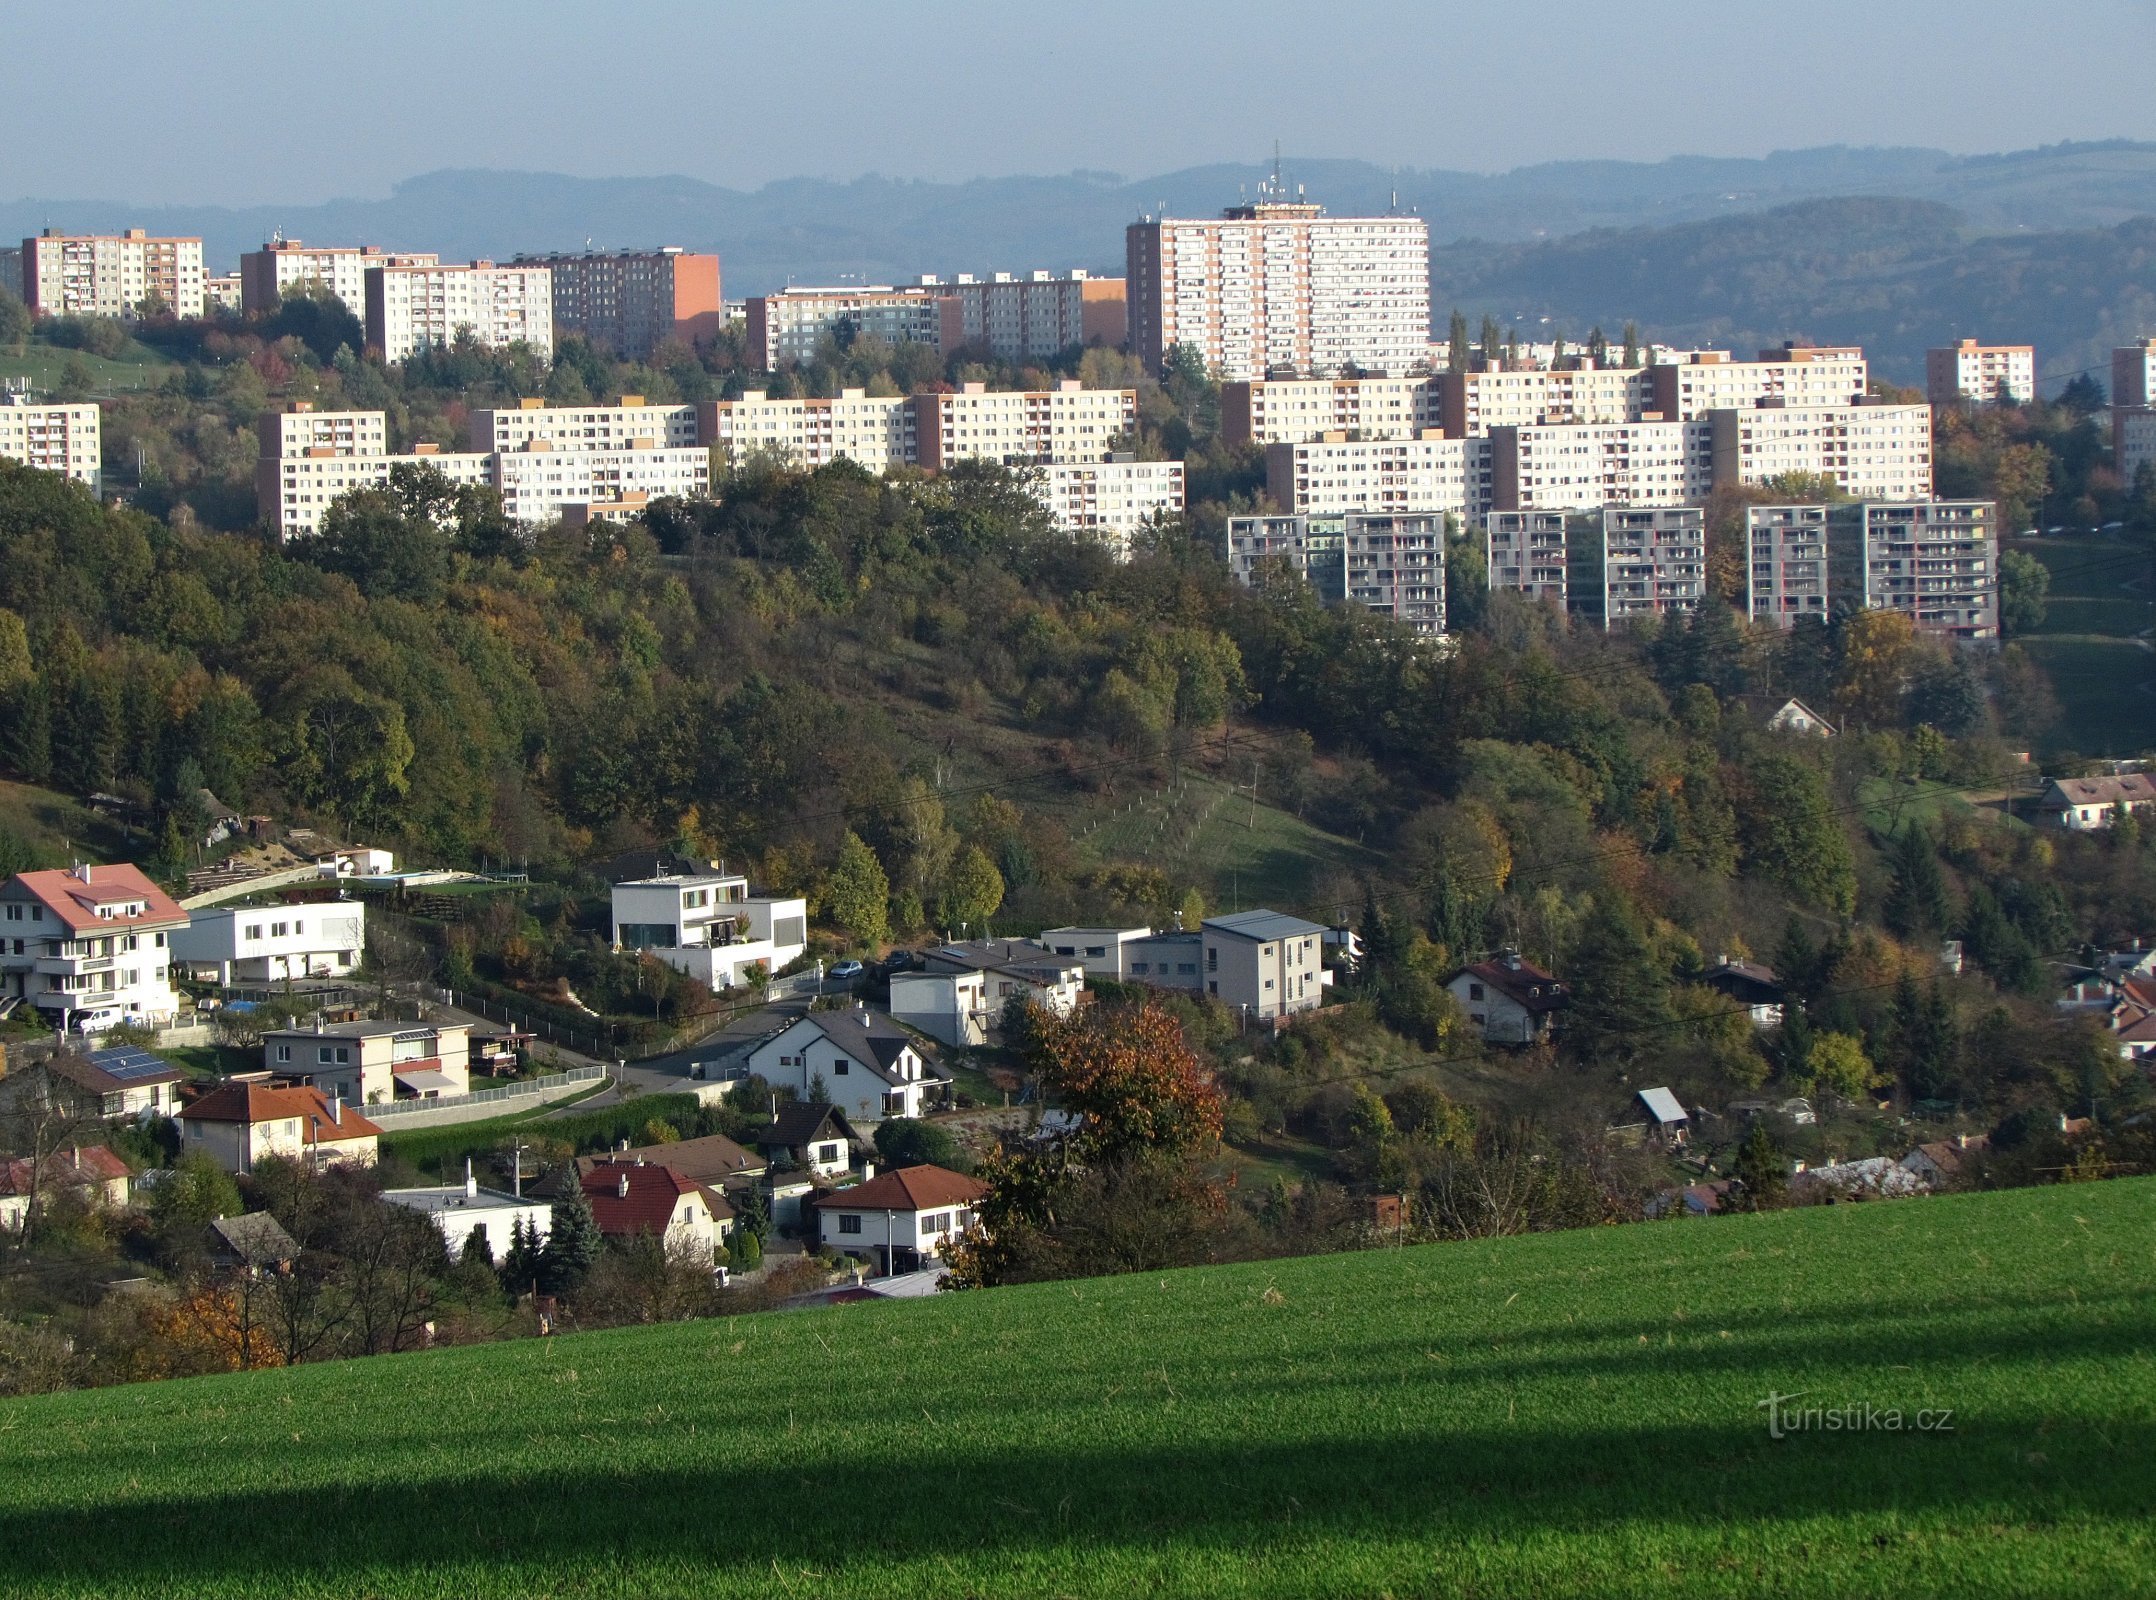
<point x="885" y="229"/>
<point x="1896" y="276"/>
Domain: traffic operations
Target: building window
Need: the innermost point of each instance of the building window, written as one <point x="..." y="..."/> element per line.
<point x="1474" y="991"/>
<point x="839" y="1067"/>
<point x="284" y="1052"/>
<point x="827" y="1152"/>
<point x="849" y="1224"/>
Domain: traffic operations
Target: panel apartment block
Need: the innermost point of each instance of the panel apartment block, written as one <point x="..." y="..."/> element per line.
<point x="2134" y="437"/>
<point x="1270" y="411"/>
<point x="284" y="264"/>
<point x="1524" y="552"/>
<point x="1787" y="558"/>
<point x="1109" y="501"/>
<point x="1627" y="563"/>
<point x="1069" y="423"/>
<point x="873" y="431"/>
<point x="539" y="484"/>
<point x="111" y="274"/>
<point x="1392" y="565"/>
<point x="785" y="329"/>
<point x="1872" y="452"/>
<point x="1472" y="404"/>
<point x="1373" y="476"/>
<point x="631" y="301"/>
<point x="1796" y="375"/>
<point x="410" y="308"/>
<point x="1036" y="316"/>
<point x="628" y="425"/>
<point x="1281" y="289"/>
<point x="66" y="439"/>
<point x="2133" y="388"/>
<point x="1579" y="465"/>
<point x="1986" y="374"/>
<point x="1934" y="561"/>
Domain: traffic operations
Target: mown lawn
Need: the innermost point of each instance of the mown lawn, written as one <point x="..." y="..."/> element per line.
<point x="1561" y="1415"/>
<point x="138" y="367"/>
<point x="2106" y="689"/>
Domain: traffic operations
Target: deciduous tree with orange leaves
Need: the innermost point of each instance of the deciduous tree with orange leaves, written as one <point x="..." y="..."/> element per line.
<point x="1132" y="1080"/>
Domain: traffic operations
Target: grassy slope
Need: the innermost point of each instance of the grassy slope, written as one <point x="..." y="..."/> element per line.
<point x="54" y="825"/>
<point x="2105" y="679"/>
<point x="138" y="367"/>
<point x="1567" y="1414"/>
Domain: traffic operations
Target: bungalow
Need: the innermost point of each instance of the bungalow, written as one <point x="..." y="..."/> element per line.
<point x="373" y="1063"/>
<point x="860" y="1060"/>
<point x="243" y="1120"/>
<point x="1511" y="1000"/>
<point x="461" y="1210"/>
<point x="254" y="1241"/>
<point x="900" y="1220"/>
<point x="1752" y="986"/>
<point x="1011" y="968"/>
<point x="634" y="1199"/>
<point x="118" y="1081"/>
<point x="90" y="1172"/>
<point x="2077" y="804"/>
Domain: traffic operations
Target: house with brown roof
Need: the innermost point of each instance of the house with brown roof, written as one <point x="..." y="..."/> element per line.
<point x="243" y="1120"/>
<point x="636" y="1199"/>
<point x="712" y="1160"/>
<point x="901" y="1220"/>
<point x="90" y="947"/>
<point x="1751" y="985"/>
<point x="1941" y="1163"/>
<point x="2084" y="804"/>
<point x="1510" y="1000"/>
<point x="88" y="1172"/>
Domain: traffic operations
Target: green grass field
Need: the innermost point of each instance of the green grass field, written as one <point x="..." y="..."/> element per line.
<point x="2105" y="681"/>
<point x="1205" y="833"/>
<point x="56" y="827"/>
<point x="139" y="367"/>
<point x="1561" y="1415"/>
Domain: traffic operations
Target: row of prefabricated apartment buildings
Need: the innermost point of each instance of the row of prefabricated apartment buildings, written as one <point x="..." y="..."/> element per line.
<point x="1934" y="561"/>
<point x="550" y="462"/>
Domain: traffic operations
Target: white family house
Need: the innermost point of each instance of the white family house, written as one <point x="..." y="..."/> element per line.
<point x="1098" y="952"/>
<point x="2082" y="803"/>
<point x="708" y="925"/>
<point x="1266" y="965"/>
<point x="1509" y="1000"/>
<point x="89" y="947"/>
<point x="463" y="1209"/>
<point x="962" y="989"/>
<point x="266" y="944"/>
<point x="632" y="1198"/>
<point x="373" y="1063"/>
<point x="900" y="1220"/>
<point x="859" y="1060"/>
<point x="244" y="1120"/>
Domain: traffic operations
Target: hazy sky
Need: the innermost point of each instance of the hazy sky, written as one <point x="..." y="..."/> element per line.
<point x="153" y="100"/>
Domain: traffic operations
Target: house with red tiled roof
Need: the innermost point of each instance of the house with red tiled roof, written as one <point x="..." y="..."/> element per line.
<point x="1509" y="1000"/>
<point x="900" y="1220"/>
<point x="631" y="1198"/>
<point x="89" y="947"/>
<point x="243" y="1120"/>
<point x="89" y="1171"/>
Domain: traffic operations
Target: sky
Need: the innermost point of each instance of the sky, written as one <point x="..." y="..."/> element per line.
<point x="245" y="103"/>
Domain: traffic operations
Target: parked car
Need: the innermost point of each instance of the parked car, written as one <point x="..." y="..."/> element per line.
<point x="845" y="970"/>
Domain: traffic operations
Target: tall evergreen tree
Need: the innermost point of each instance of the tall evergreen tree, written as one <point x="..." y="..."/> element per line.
<point x="1458" y="355"/>
<point x="1916" y="906"/>
<point x="573" y="1241"/>
<point x="1620" y="993"/>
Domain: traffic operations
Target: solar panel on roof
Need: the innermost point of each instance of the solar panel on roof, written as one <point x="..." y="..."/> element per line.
<point x="125" y="1061"/>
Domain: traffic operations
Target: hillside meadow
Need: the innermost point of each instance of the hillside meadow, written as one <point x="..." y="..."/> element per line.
<point x="1562" y="1414"/>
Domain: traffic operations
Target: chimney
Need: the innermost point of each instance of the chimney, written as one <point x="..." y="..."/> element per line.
<point x="336" y="1109"/>
<point x="621" y="1187"/>
<point x="471" y="1184"/>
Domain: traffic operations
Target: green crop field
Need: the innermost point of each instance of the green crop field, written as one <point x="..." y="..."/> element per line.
<point x="1560" y="1415"/>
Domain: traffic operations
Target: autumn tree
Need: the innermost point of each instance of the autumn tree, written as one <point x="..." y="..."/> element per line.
<point x="857" y="895"/>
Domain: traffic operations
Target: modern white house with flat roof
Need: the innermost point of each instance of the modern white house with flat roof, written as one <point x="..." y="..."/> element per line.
<point x="708" y="925"/>
<point x="374" y="1063"/>
<point x="462" y="1209"/>
<point x="265" y="944"/>
<point x="1099" y="952"/>
<point x="1265" y="964"/>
